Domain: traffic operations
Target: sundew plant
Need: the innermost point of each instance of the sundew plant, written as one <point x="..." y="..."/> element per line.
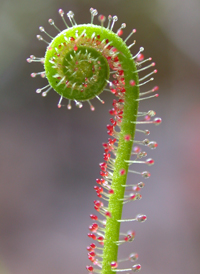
<point x="82" y="61"/>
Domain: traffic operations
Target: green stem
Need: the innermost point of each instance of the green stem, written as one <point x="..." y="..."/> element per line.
<point x="66" y="59"/>
<point x="123" y="153"/>
<point x="77" y="66"/>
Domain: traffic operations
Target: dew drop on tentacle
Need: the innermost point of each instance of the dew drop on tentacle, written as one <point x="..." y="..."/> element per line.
<point x="150" y="161"/>
<point x="146" y="131"/>
<point x="61" y="12"/>
<point x="102" y="19"/>
<point x="133" y="257"/>
<point x="132" y="32"/>
<point x="145" y="68"/>
<point x="109" y="21"/>
<point x="115" y="18"/>
<point x="93" y="12"/>
<point x="60" y="100"/>
<point x="157" y="121"/>
<point x="42" y="74"/>
<point x="40" y="38"/>
<point x="38" y="59"/>
<point x="155" y="88"/>
<point x="146" y="174"/>
<point x="69" y="105"/>
<point x="29" y="60"/>
<point x="145" y="142"/>
<point x="120" y="30"/>
<point x="44" y="93"/>
<point x="51" y="22"/>
<point x="151" y="113"/>
<point x="91" y="106"/>
<point x="149" y="91"/>
<point x="78" y="104"/>
<point x="136" y="268"/>
<point x="148" y="75"/>
<point x="152" y="145"/>
<point x="141" y="184"/>
<point x="100" y="99"/>
<point x="38" y="90"/>
<point x="33" y="74"/>
<point x="140" y="58"/>
<point x="141" y="218"/>
<point x="131" y="45"/>
<point x="144" y="83"/>
<point x="41" y="89"/>
<point x="136" y="149"/>
<point x="43" y="30"/>
<point x="140" y="50"/>
<point x="70" y="15"/>
<point x="114" y="264"/>
<point x="89" y="268"/>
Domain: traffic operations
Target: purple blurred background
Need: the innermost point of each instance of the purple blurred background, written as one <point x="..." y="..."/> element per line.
<point x="49" y="156"/>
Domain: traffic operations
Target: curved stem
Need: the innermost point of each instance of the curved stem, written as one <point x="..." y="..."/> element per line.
<point x="123" y="153"/>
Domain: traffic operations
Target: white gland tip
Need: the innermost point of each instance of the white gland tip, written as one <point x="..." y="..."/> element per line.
<point x="39" y="37"/>
<point x="41" y="29"/>
<point x="44" y="94"/>
<point x="33" y="74"/>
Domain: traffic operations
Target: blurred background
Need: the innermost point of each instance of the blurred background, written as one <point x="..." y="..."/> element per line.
<point x="49" y="156"/>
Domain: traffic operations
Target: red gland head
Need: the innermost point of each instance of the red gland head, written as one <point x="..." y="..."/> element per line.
<point x="89" y="268"/>
<point x="114" y="264"/>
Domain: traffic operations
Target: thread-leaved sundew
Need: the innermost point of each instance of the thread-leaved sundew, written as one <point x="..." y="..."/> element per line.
<point x="82" y="61"/>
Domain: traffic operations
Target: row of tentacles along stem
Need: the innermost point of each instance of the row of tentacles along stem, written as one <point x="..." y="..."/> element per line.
<point x="81" y="62"/>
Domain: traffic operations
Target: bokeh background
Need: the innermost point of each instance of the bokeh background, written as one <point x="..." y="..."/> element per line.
<point x="49" y="156"/>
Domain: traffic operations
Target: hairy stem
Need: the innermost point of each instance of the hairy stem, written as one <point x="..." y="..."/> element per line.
<point x="123" y="153"/>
